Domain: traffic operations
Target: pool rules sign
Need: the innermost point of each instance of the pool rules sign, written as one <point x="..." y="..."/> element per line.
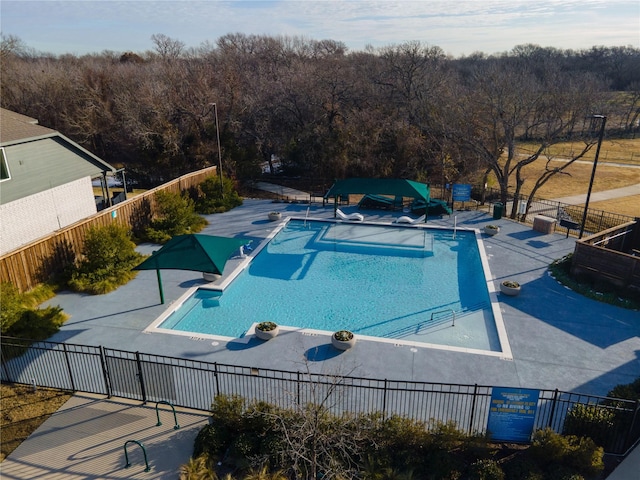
<point x="512" y="414"/>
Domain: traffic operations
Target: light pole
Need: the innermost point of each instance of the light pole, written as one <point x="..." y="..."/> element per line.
<point x="215" y="112"/>
<point x="593" y="171"/>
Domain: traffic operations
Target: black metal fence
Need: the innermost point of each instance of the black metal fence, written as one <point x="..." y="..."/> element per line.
<point x="568" y="216"/>
<point x="194" y="384"/>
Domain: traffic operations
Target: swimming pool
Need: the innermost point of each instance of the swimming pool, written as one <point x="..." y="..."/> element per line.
<point x="396" y="283"/>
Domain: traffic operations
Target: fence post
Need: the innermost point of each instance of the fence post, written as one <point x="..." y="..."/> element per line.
<point x="473" y="408"/>
<point x="66" y="359"/>
<point x="298" y="389"/>
<point x="215" y="375"/>
<point x="384" y="400"/>
<point x="553" y="408"/>
<point x="629" y="437"/>
<point x="141" y="378"/>
<point x="105" y="371"/>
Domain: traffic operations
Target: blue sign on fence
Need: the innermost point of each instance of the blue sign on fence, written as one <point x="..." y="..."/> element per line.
<point x="461" y="192"/>
<point x="512" y="414"/>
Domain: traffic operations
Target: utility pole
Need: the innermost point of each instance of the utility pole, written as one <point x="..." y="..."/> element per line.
<point x="593" y="171"/>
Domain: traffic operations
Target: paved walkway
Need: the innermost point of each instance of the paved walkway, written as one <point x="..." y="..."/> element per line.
<point x="285" y="193"/>
<point x="558" y="339"/>
<point x="601" y="196"/>
<point x="629" y="469"/>
<point x="85" y="440"/>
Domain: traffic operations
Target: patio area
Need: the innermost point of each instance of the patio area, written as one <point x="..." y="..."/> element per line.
<point x="558" y="339"/>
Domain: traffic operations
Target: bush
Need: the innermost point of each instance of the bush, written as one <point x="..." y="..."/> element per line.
<point x="594" y="421"/>
<point x="308" y="440"/>
<point x="209" y="198"/>
<point x="12" y="306"/>
<point x="570" y="454"/>
<point x="629" y="391"/>
<point x="108" y="255"/>
<point x="38" y="324"/>
<point x="486" y="470"/>
<point x="198" y="467"/>
<point x="20" y="317"/>
<point x="176" y="216"/>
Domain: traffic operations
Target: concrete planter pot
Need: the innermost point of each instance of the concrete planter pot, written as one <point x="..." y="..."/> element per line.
<point x="343" y="340"/>
<point x="275" y="216"/>
<point x="264" y="334"/>
<point x="510" y="288"/>
<point x="491" y="229"/>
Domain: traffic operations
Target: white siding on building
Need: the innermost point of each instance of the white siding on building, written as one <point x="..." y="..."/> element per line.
<point x="38" y="215"/>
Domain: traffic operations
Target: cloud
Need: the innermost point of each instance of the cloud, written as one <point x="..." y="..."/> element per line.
<point x="458" y="27"/>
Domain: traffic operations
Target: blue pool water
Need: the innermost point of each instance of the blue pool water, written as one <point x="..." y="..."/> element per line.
<point x="403" y="283"/>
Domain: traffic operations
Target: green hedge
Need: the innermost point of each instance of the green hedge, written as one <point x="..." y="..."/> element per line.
<point x="309" y="441"/>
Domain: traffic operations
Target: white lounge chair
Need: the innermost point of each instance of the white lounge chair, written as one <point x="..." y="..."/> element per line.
<point x="352" y="217"/>
<point x="406" y="219"/>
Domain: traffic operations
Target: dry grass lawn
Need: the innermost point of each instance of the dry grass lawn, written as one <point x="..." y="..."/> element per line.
<point x="576" y="178"/>
<point x="625" y="150"/>
<point x="24" y="410"/>
<point x="624" y="206"/>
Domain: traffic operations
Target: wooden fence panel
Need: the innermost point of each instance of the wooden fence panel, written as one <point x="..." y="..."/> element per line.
<point x="596" y="257"/>
<point x="34" y="263"/>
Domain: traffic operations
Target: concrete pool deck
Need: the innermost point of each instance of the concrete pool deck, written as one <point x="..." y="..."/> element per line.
<point x="559" y="339"/>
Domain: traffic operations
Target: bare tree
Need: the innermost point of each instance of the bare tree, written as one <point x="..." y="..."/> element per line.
<point x="506" y="101"/>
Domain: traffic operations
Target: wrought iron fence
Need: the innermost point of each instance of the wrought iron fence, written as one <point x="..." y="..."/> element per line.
<point x="194" y="384"/>
<point x="568" y="216"/>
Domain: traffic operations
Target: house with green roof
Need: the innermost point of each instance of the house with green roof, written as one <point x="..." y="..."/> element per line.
<point x="45" y="180"/>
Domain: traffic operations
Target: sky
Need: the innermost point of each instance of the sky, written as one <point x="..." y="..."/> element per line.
<point x="459" y="27"/>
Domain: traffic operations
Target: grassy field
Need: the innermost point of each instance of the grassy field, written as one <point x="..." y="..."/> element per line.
<point x="576" y="178"/>
<point x="626" y="151"/>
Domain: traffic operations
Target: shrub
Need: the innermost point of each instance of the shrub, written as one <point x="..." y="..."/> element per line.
<point x="209" y="198"/>
<point x="629" y="391"/>
<point x="176" y="216"/>
<point x="208" y="442"/>
<point x="108" y="255"/>
<point x="594" y="421"/>
<point x="198" y="468"/>
<point x="38" y="324"/>
<point x="486" y="470"/>
<point x="570" y="454"/>
<point x="12" y="306"/>
<point x="20" y="317"/>
<point x="309" y="440"/>
<point x="523" y="468"/>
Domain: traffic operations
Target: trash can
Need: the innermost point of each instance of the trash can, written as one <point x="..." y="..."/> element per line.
<point x="498" y="209"/>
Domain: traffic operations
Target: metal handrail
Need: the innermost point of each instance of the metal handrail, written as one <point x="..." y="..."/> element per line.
<point x="453" y="322"/>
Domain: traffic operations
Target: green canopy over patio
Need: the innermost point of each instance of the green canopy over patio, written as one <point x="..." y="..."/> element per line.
<point x="201" y="253"/>
<point x="380" y="186"/>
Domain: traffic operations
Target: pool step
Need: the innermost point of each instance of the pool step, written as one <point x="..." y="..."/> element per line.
<point x="443" y="319"/>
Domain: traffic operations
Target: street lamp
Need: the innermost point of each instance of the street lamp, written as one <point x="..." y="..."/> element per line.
<point x="593" y="172"/>
<point x="215" y="111"/>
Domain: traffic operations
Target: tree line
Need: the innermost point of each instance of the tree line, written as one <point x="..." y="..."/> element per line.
<point x="313" y="108"/>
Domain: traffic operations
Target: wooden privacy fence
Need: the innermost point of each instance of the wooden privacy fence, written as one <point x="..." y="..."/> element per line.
<point x="38" y="261"/>
<point x="612" y="256"/>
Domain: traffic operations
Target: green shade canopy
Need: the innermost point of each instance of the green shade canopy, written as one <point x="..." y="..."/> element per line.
<point x="201" y="253"/>
<point x="381" y="186"/>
